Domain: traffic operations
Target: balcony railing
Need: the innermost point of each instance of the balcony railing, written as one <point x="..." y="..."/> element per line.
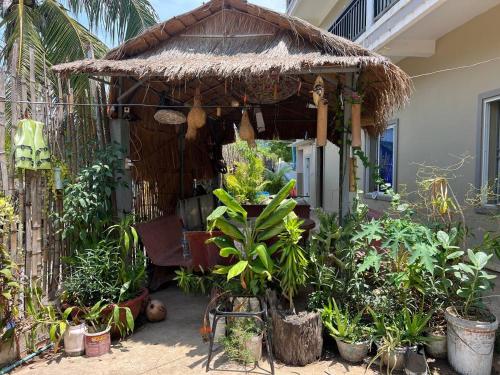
<point x="352" y="22"/>
<point x="382" y="6"/>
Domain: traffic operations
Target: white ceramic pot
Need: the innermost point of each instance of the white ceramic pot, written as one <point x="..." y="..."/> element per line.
<point x="74" y="340"/>
<point x="470" y="344"/>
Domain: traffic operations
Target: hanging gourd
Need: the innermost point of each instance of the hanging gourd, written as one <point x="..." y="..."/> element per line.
<point x="197" y="117"/>
<point x="322" y="123"/>
<point x="246" y="129"/>
<point x="353" y="169"/>
<point x="356" y="121"/>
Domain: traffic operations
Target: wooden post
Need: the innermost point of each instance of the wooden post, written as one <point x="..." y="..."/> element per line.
<point x="96" y="111"/>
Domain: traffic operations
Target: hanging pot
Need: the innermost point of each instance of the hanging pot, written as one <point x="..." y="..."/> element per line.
<point x="322" y="123"/>
<point x="356" y="125"/>
<point x="246" y="129"/>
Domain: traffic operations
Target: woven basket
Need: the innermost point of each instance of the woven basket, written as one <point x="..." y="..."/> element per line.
<point x="169" y="116"/>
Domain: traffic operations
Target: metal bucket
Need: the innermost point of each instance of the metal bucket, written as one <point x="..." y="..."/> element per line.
<point x="355" y="352"/>
<point x="470" y="344"/>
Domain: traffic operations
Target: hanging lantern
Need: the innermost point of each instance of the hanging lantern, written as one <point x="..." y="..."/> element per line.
<point x="356" y="121"/>
<point x="318" y="90"/>
<point x="168" y="116"/>
<point x="353" y="168"/>
<point x="322" y="123"/>
<point x="196" y="117"/>
<point x="246" y="129"/>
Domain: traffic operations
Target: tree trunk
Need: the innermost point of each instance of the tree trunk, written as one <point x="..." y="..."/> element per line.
<point x="297" y="338"/>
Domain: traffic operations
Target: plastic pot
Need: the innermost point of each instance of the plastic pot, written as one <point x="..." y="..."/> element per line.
<point x="470" y="344"/>
<point x="355" y="352"/>
<point x="74" y="340"/>
<point x="436" y="346"/>
<point x="254" y="346"/>
<point x="97" y="344"/>
<point x="394" y="360"/>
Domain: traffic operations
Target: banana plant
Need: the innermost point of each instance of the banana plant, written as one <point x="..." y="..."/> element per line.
<point x="244" y="238"/>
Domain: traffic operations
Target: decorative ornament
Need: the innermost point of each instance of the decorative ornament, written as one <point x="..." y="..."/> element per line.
<point x="246" y="129"/>
<point x="168" y="116"/>
<point x="318" y="90"/>
<point x="156" y="311"/>
<point x="197" y="117"/>
<point x="322" y="123"/>
<point x="356" y="121"/>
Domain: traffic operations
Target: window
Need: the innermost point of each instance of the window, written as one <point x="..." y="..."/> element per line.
<point x="382" y="152"/>
<point x="491" y="151"/>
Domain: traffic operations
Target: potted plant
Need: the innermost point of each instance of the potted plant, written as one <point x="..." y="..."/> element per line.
<point x="436" y="346"/>
<point x="61" y="325"/>
<point x="99" y="320"/>
<point x="352" y="336"/>
<point x="471" y="327"/>
<point x="243" y="342"/>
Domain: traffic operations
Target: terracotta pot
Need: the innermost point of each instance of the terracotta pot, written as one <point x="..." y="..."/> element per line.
<point x="136" y="306"/>
<point x="97" y="344"/>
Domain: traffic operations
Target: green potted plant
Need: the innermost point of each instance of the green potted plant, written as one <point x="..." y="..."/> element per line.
<point x="471" y="327"/>
<point x="352" y="336"/>
<point x="99" y="319"/>
<point x="243" y="343"/>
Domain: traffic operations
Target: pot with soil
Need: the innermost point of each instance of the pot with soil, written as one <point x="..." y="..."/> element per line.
<point x="136" y="306"/>
<point x="394" y="359"/>
<point x="471" y="341"/>
<point x="97" y="341"/>
<point x="74" y="339"/>
<point x="353" y="352"/>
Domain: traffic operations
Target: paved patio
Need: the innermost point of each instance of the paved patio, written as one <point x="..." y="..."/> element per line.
<point x="174" y="347"/>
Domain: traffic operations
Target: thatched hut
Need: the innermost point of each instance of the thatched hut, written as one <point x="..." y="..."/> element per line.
<point x="238" y="55"/>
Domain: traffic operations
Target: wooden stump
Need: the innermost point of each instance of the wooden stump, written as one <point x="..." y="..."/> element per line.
<point x="297" y="338"/>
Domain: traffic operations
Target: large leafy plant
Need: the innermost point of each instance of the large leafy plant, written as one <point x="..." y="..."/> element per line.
<point x="244" y="238"/>
<point x="87" y="201"/>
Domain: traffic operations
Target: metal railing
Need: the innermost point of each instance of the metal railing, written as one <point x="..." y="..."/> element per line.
<point x="382" y="6"/>
<point x="352" y="22"/>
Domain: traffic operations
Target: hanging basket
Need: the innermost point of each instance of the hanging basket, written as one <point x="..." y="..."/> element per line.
<point x="268" y="90"/>
<point x="169" y="116"/>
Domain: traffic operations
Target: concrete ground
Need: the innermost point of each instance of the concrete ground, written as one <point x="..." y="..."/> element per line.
<point x="174" y="347"/>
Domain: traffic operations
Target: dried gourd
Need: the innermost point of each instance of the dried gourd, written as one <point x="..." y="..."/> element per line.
<point x="197" y="117"/>
<point x="247" y="132"/>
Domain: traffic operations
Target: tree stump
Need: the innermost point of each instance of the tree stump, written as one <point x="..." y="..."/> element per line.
<point x="297" y="338"/>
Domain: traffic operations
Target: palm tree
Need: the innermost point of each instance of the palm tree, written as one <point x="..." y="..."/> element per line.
<point x="50" y="28"/>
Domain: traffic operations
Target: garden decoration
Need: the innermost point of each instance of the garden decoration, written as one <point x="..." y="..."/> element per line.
<point x="356" y="121"/>
<point x="165" y="115"/>
<point x="31" y="151"/>
<point x="197" y="117"/>
<point x="246" y="132"/>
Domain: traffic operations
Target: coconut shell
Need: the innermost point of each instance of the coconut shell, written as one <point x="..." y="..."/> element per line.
<point x="156" y="311"/>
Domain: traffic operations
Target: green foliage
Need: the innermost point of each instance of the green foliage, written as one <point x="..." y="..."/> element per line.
<point x="10" y="286"/>
<point x="292" y="262"/>
<point x="189" y="282"/>
<point x="102" y="315"/>
<point x="244" y="238"/>
<point x="342" y="325"/>
<point x="275" y="150"/>
<point x="240" y="332"/>
<point x="473" y="280"/>
<point x="87" y="201"/>
<point x="276" y="180"/>
<point x="247" y="180"/>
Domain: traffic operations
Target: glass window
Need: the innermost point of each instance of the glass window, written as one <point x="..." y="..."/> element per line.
<point x="383" y="153"/>
<point x="491" y="151"/>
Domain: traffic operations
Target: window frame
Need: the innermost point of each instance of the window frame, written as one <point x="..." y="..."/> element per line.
<point x="484" y="146"/>
<point x="377" y="194"/>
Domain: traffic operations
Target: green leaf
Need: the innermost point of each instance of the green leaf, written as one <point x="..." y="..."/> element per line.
<point x="230" y="202"/>
<point x="455" y="255"/>
<point x="221" y="241"/>
<point x="130" y="319"/>
<point x="423" y="253"/>
<point x="217" y="213"/>
<point x="277" y="216"/>
<point x="371" y="260"/>
<point x="229" y="229"/>
<point x="237" y="269"/>
<point x="228" y="251"/>
<point x="263" y="255"/>
<point x="282" y="194"/>
<point x="443" y="237"/>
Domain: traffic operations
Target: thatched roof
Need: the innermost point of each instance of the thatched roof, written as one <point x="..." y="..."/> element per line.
<point x="232" y="39"/>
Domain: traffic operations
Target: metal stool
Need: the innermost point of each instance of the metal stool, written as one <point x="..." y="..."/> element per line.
<point x="261" y="315"/>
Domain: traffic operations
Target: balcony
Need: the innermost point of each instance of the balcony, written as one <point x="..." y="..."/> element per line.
<point x="352" y="23"/>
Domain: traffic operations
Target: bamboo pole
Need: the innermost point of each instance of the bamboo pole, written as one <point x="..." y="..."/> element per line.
<point x="3" y="159"/>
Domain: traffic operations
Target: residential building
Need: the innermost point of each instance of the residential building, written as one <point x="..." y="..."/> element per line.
<point x="451" y="49"/>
